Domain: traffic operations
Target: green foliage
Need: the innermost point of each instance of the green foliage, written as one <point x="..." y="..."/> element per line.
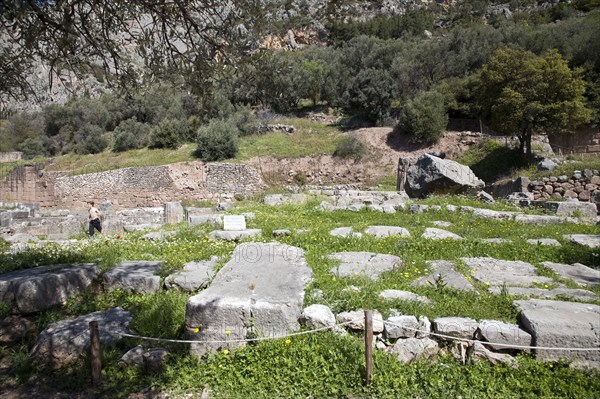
<point x="490" y="160"/>
<point x="168" y="133"/>
<point x="130" y="134"/>
<point x="245" y="121"/>
<point x="350" y="147"/>
<point x="424" y="118"/>
<point x="522" y="94"/>
<point x="217" y="141"/>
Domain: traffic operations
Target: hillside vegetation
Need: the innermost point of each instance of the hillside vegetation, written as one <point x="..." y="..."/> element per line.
<point x="412" y="71"/>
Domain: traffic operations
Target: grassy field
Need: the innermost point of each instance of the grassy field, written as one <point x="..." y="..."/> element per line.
<point x="320" y="365"/>
<point x="309" y="139"/>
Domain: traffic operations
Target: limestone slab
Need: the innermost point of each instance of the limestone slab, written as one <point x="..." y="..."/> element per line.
<point x="411" y="349"/>
<point x="581" y="274"/>
<point x="134" y="276"/>
<point x="544" y="241"/>
<point x="459" y="327"/>
<point x="66" y="341"/>
<point x="387" y="231"/>
<point x="576" y="294"/>
<point x="391" y="295"/>
<point x="503" y="333"/>
<point x="558" y="324"/>
<point x="364" y="264"/>
<point x="497" y="272"/>
<point x="234" y="222"/>
<point x="433" y="233"/>
<point x="234" y="235"/>
<point x="39" y="288"/>
<point x="444" y="270"/>
<point x="193" y="276"/>
<point x="259" y="292"/>
<point x="401" y="327"/>
<point x="588" y="240"/>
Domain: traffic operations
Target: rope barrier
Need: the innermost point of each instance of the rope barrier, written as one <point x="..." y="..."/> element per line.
<point x="229" y="341"/>
<point x="511" y="346"/>
<point x="444" y="336"/>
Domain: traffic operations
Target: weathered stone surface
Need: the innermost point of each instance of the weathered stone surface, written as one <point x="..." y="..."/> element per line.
<point x="441" y="223"/>
<point x="588" y="240"/>
<point x="281" y="233"/>
<point x="173" y="212"/>
<point x="498" y="272"/>
<point x="260" y="291"/>
<point x="64" y="342"/>
<point x="581" y="274"/>
<point x="459" y="327"/>
<point x="480" y="352"/>
<point x="577" y="294"/>
<point x="364" y="264"/>
<point x="234" y="235"/>
<point x="134" y="276"/>
<point x="39" y="288"/>
<point x="317" y="316"/>
<point x="432" y="233"/>
<point x="444" y="270"/>
<point x="391" y="295"/>
<point x="563" y="325"/>
<point x="433" y="175"/>
<point x="213" y="219"/>
<point x="504" y="334"/>
<point x="280" y="199"/>
<point x="544" y="241"/>
<point x="387" y="231"/>
<point x="411" y="349"/>
<point x="541" y="219"/>
<point x="193" y="276"/>
<point x="496" y="215"/>
<point x="400" y="327"/>
<point x="14" y="329"/>
<point x="342" y="232"/>
<point x="356" y="320"/>
<point x="155" y="359"/>
<point x="134" y="356"/>
<point x="424" y="327"/>
<point x="585" y="210"/>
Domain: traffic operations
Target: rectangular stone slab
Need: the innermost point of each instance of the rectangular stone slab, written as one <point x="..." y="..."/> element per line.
<point x="562" y="324"/>
<point x="234" y="222"/>
<point x="259" y="292"/>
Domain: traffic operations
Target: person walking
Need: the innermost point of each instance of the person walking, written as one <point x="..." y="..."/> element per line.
<point x="94" y="218"/>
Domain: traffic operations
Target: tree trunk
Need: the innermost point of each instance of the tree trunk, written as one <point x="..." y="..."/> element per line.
<point x="521" y="144"/>
<point x="528" y="146"/>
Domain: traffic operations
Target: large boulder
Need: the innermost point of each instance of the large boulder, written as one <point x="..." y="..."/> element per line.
<point x="40" y="288"/>
<point x="259" y="292"/>
<point x="63" y="342"/>
<point x="433" y="175"/>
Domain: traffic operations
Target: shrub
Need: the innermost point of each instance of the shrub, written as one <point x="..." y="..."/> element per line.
<point x="168" y="133"/>
<point x="424" y="118"/>
<point x="218" y="140"/>
<point x="32" y="148"/>
<point x="90" y="140"/>
<point x="246" y="121"/>
<point x="350" y="147"/>
<point x="130" y="135"/>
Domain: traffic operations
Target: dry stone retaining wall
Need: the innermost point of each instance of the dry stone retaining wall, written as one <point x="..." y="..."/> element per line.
<point x="131" y="187"/>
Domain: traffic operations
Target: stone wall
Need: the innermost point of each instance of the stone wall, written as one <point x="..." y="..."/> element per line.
<point x="131" y="187"/>
<point x="581" y="142"/>
<point x="10" y="156"/>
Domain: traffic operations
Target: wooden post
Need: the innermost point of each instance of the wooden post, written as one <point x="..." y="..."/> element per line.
<point x="95" y="354"/>
<point x="368" y="346"/>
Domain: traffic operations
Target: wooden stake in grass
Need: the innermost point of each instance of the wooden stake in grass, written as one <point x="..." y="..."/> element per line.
<point x="95" y="354"/>
<point x="368" y="346"/>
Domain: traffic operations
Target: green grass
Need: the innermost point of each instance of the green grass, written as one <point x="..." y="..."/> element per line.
<point x="80" y="164"/>
<point x="309" y="139"/>
<point x="322" y="365"/>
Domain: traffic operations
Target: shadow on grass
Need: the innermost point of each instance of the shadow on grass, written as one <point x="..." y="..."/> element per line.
<point x="499" y="162"/>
